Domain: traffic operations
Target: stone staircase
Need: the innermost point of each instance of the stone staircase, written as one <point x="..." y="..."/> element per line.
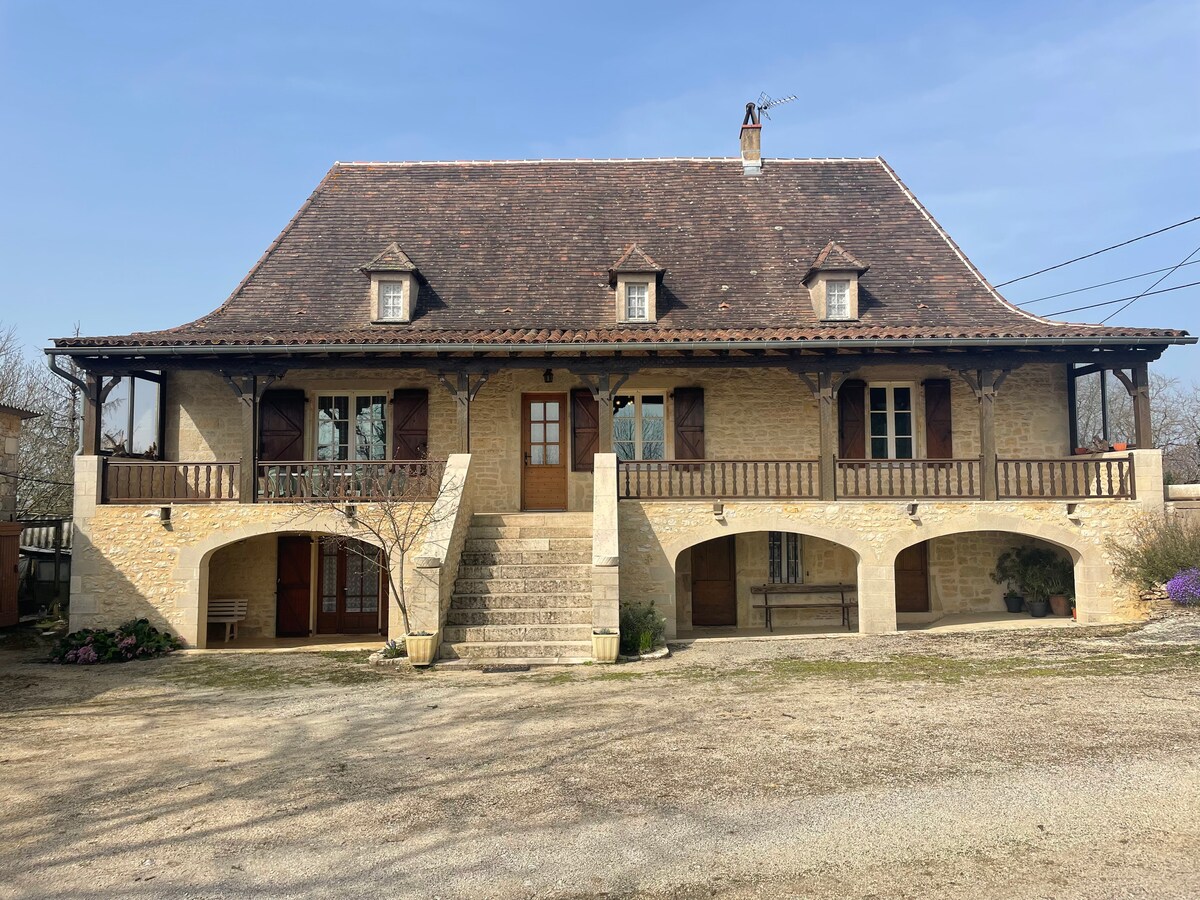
<point x="523" y="591"/>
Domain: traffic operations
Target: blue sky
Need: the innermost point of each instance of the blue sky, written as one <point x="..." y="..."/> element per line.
<point x="153" y="150"/>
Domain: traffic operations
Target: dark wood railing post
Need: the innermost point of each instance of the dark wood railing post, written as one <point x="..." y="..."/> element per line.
<point x="824" y="391"/>
<point x="985" y="383"/>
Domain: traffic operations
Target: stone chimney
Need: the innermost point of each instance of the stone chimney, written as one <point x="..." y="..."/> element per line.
<point x="751" y="142"/>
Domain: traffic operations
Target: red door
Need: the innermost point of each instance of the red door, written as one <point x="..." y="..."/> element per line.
<point x="714" y="583"/>
<point x="544" y="473"/>
<point x="293" y="586"/>
<point x="351" y="579"/>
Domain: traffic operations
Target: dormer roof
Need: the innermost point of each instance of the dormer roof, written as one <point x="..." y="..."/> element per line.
<point x="835" y="258"/>
<point x="634" y="259"/>
<point x="392" y="259"/>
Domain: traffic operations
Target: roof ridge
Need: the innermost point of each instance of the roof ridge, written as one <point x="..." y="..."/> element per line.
<point x="599" y="159"/>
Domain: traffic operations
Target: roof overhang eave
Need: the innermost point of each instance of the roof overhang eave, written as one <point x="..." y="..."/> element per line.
<point x="627" y="346"/>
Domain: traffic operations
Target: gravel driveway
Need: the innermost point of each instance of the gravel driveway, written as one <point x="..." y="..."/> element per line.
<point x="1007" y="765"/>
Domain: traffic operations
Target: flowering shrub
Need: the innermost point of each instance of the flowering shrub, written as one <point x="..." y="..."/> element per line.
<point x="133" y="640"/>
<point x="1184" y="588"/>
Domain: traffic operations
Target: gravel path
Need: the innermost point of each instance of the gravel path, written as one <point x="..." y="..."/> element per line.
<point x="1007" y="765"/>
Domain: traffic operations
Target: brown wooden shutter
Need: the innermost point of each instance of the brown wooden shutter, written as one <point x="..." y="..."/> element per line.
<point x="689" y="423"/>
<point x="585" y="430"/>
<point x="281" y="426"/>
<point x="410" y="423"/>
<point x="939" y="442"/>
<point x="852" y="420"/>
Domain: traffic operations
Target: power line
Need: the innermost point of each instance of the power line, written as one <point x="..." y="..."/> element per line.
<point x="1140" y="237"/>
<point x="1063" y="312"/>
<point x="1106" y="283"/>
<point x="1156" y="284"/>
<point x="19" y="477"/>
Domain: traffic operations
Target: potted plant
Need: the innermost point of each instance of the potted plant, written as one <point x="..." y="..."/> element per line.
<point x="1008" y="571"/>
<point x="1014" y="601"/>
<point x="421" y="647"/>
<point x="1046" y="578"/>
<point x="605" y="643"/>
<point x="1039" y="608"/>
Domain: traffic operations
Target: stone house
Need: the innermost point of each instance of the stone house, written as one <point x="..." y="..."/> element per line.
<point x="11" y="418"/>
<point x="689" y="382"/>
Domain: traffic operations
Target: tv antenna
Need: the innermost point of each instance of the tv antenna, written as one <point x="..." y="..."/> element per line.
<point x="760" y="107"/>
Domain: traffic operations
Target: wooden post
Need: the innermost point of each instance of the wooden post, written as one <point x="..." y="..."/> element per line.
<point x="1137" y="383"/>
<point x="464" y="392"/>
<point x="248" y="470"/>
<point x="825" y="398"/>
<point x="984" y="384"/>
<point x="91" y="417"/>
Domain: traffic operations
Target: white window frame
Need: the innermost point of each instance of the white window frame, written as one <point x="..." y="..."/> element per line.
<point x="637" y="396"/>
<point x="644" y="315"/>
<point x="891" y="386"/>
<point x="352" y="432"/>
<point x="398" y="314"/>
<point x="842" y="314"/>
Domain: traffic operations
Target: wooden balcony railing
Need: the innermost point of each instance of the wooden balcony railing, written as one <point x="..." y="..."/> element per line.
<point x="700" y="479"/>
<point x="149" y="481"/>
<point x="908" y="478"/>
<point x="1078" y="478"/>
<point x="354" y="480"/>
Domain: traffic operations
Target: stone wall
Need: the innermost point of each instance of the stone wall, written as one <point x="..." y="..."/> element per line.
<point x="247" y="568"/>
<point x="961" y="566"/>
<point x="127" y="563"/>
<point x="749" y="414"/>
<point x="654" y="535"/>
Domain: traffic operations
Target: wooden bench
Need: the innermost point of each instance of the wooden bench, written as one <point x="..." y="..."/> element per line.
<point x="229" y="612"/>
<point x="844" y="604"/>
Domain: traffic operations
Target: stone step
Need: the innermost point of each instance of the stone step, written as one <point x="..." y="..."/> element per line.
<point x="521" y="601"/>
<point x="575" y="615"/>
<point x="520" y="518"/>
<point x="557" y="651"/>
<point x="527" y="558"/>
<point x="520" y="571"/>
<point x="509" y="634"/>
<point x="567" y="585"/>
<point x="523" y="545"/>
<point x="529" y="531"/>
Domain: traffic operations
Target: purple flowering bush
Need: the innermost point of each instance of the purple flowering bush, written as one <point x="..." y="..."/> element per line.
<point x="1184" y="588"/>
<point x="133" y="640"/>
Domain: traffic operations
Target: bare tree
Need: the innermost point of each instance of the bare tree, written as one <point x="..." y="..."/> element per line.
<point x="1174" y="420"/>
<point x="376" y="504"/>
<point x="48" y="442"/>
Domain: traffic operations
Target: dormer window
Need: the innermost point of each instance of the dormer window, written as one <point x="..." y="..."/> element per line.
<point x="393" y="291"/>
<point x="637" y="296"/>
<point x="832" y="283"/>
<point x="635" y="276"/>
<point x="837" y="299"/>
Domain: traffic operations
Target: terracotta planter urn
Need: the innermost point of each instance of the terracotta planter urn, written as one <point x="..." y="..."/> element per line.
<point x="1060" y="605"/>
<point x="421" y="647"/>
<point x="605" y="645"/>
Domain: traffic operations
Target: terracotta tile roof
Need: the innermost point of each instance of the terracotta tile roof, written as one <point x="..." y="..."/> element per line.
<point x="519" y="252"/>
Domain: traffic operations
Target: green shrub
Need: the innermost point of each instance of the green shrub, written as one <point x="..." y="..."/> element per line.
<point x="133" y="640"/>
<point x="1159" y="549"/>
<point x="1038" y="571"/>
<point x="642" y="628"/>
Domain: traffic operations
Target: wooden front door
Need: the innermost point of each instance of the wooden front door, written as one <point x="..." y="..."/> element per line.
<point x="293" y="586"/>
<point x="714" y="583"/>
<point x="912" y="579"/>
<point x="544" y="451"/>
<point x="351" y="593"/>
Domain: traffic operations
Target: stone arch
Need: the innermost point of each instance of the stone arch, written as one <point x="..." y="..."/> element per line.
<point x="1094" y="587"/>
<point x="191" y="571"/>
<point x="737" y="522"/>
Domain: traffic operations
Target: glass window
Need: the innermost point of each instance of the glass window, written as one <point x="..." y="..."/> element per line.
<point x="336" y="440"/>
<point x="837" y="299"/>
<point x="636" y="300"/>
<point x="890" y="419"/>
<point x="639" y="426"/>
<point x="391" y="299"/>
<point x="783" y="558"/>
